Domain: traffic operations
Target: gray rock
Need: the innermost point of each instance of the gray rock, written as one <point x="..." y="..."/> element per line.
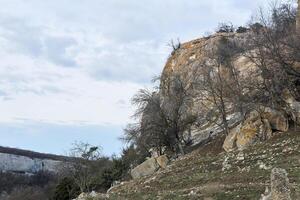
<point x="150" y="166"/>
<point x="16" y="163"/>
<point x="280" y="189"/>
<point x="145" y="169"/>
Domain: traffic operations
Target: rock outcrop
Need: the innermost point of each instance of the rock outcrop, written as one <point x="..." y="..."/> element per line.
<point x="24" y="164"/>
<point x="189" y="62"/>
<point x="149" y="167"/>
<point x="145" y="169"/>
<point x="258" y="126"/>
<point x="280" y="189"/>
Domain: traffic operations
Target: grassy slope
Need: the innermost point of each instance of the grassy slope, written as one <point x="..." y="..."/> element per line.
<point x="199" y="175"/>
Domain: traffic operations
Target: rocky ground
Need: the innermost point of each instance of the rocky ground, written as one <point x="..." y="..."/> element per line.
<point x="209" y="173"/>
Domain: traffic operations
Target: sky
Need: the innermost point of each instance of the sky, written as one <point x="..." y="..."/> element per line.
<point x="68" y="68"/>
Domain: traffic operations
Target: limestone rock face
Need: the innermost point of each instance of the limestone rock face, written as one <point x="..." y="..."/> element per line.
<point x="187" y="64"/>
<point x="145" y="169"/>
<point x="16" y="163"/>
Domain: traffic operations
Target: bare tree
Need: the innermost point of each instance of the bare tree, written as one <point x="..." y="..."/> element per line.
<point x="174" y="45"/>
<point x="274" y="49"/>
<point x="83" y="167"/>
<point x="161" y="124"/>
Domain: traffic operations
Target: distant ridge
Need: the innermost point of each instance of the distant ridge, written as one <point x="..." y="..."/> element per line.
<point x="32" y="154"/>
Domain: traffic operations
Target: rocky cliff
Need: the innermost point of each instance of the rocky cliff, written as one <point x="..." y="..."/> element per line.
<point x="195" y="63"/>
<point x="22" y="161"/>
<point x="190" y="63"/>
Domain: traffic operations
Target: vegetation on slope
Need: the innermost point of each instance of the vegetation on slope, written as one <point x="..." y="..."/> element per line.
<point x="209" y="173"/>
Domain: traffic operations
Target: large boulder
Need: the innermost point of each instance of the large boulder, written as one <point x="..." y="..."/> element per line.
<point x="251" y="130"/>
<point x="145" y="169"/>
<point x="276" y="119"/>
<point x="149" y="167"/>
<point x="258" y="126"/>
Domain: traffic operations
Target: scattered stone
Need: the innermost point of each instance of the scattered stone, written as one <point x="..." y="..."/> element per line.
<point x="225" y="164"/>
<point x="192" y="193"/>
<point x="266" y="195"/>
<point x="262" y="165"/>
<point x="240" y="156"/>
<point x="287" y="149"/>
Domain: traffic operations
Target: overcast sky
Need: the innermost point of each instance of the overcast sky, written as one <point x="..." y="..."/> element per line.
<point x="68" y="68"/>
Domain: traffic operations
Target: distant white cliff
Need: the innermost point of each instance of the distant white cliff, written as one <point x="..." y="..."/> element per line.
<point x="24" y="164"/>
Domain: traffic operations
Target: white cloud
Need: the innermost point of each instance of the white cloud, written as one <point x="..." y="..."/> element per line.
<point x="79" y="62"/>
<point x="40" y="91"/>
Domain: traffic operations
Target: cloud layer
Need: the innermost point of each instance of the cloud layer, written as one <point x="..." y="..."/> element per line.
<point x="78" y="63"/>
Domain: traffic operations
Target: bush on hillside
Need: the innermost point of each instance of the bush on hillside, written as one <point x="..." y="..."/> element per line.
<point x="225" y="28"/>
<point x="241" y="29"/>
<point x="66" y="190"/>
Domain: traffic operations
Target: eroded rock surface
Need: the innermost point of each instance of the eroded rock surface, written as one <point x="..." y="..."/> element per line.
<point x="280" y="189"/>
<point x="258" y="126"/>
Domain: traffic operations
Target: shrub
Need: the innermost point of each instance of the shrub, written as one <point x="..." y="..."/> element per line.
<point x="66" y="189"/>
<point x="225" y="28"/>
<point x="242" y="29"/>
<point x="256" y="27"/>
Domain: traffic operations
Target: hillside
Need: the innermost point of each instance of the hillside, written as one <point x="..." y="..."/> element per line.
<point x="32" y="154"/>
<point x="209" y="173"/>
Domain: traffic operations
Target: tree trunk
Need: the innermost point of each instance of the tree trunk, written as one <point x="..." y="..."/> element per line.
<point x="298" y="19"/>
<point x="181" y="148"/>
